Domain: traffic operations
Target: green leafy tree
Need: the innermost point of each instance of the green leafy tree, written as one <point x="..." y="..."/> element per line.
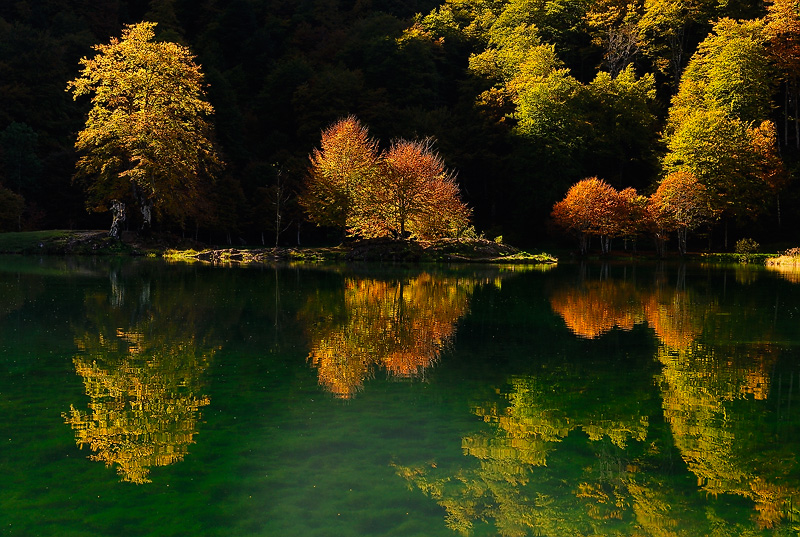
<point x="719" y="151"/>
<point x="729" y="72"/>
<point x="147" y="138"/>
<point x="718" y="128"/>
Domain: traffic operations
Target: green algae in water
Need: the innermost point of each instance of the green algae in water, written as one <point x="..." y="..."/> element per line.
<point x="151" y="399"/>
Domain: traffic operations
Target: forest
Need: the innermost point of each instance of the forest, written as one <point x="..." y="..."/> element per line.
<point x="520" y="100"/>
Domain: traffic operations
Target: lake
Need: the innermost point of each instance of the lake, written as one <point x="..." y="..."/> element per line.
<point x="146" y="398"/>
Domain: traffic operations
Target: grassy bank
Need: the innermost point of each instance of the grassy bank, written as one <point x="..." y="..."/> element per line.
<point x="61" y="242"/>
<point x="65" y="242"/>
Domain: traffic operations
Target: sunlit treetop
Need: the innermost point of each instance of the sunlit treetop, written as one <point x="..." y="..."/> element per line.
<point x="147" y="136"/>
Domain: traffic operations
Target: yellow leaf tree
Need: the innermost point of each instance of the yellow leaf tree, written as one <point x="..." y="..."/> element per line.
<point x="147" y="139"/>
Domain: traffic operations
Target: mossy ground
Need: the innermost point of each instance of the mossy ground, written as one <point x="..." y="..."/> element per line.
<point x="374" y="250"/>
<point x="61" y="242"/>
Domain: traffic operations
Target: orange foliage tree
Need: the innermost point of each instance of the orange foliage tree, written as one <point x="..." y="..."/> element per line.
<point x="404" y="192"/>
<point x="591" y="207"/>
<point x="416" y="195"/>
<point x="631" y="214"/>
<point x="680" y="203"/>
<point x="346" y="161"/>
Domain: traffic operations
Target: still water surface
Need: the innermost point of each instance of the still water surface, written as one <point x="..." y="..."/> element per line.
<point x="140" y="398"/>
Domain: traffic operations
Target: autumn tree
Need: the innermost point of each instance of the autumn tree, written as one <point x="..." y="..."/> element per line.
<point x="718" y="128"/>
<point x="345" y="162"/>
<point x="589" y="208"/>
<point x="682" y="204"/>
<point x="147" y="139"/>
<point x="416" y="195"/>
<point x="631" y="214"/>
<point x="782" y="31"/>
<point x="405" y="191"/>
<point x="614" y="26"/>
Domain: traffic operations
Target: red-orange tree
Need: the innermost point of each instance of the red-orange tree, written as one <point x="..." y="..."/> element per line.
<point x="416" y="195"/>
<point x="405" y="191"/>
<point x="681" y="203"/>
<point x="591" y="207"/>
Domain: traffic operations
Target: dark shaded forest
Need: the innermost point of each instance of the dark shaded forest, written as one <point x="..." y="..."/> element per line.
<point x="523" y="97"/>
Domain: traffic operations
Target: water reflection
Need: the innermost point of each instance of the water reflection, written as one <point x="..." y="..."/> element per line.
<point x="788" y="272"/>
<point x="715" y="402"/>
<point x="518" y="484"/>
<point x="593" y="307"/>
<point x="579" y="448"/>
<point x="142" y="366"/>
<point x="400" y="326"/>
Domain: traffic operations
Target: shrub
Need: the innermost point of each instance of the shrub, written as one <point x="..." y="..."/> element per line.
<point x="746" y="247"/>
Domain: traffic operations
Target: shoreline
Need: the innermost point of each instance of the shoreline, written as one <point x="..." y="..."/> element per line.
<point x="62" y="242"/>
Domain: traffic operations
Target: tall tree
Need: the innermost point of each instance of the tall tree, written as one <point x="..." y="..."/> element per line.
<point x="783" y="33"/>
<point x="147" y="138"/>
<point x="718" y="128"/>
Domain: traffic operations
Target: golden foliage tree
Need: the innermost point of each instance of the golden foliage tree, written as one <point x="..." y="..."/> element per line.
<point x="147" y="138"/>
<point x="339" y="171"/>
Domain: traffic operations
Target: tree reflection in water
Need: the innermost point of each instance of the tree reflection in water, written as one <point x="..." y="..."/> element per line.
<point x="578" y="449"/>
<point x="400" y="326"/>
<point x="144" y="381"/>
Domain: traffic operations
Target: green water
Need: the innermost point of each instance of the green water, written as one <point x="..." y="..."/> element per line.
<point x="140" y="398"/>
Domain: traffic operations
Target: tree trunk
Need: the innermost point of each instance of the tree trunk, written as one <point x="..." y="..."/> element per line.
<point x="786" y="114"/>
<point x="146" y="206"/>
<point x="725" y="240"/>
<point x="583" y="243"/>
<point x="682" y="240"/>
<point x="117" y="218"/>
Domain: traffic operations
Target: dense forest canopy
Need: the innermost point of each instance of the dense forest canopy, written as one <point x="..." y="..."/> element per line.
<point x="524" y="98"/>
